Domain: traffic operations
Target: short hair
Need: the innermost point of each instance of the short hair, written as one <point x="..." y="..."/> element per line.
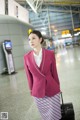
<point x="38" y="33"/>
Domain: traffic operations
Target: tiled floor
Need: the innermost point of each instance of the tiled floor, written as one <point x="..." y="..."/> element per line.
<point x="14" y="94"/>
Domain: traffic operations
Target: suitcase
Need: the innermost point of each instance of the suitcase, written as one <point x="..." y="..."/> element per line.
<point x="67" y="110"/>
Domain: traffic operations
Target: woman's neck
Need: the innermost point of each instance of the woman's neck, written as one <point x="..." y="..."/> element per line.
<point x="37" y="50"/>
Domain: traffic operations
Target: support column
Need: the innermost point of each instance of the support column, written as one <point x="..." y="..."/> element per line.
<point x="72" y="22"/>
<point x="49" y="22"/>
<point x="79" y="15"/>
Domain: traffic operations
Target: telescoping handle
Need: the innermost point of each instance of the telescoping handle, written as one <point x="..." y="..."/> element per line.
<point x="62" y="98"/>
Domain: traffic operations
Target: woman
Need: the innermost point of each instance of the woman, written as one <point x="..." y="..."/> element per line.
<point x="40" y="67"/>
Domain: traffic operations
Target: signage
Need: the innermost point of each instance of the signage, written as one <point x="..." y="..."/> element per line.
<point x="77" y="29"/>
<point x="65" y="32"/>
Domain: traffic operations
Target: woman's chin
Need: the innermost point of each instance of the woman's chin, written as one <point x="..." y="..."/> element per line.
<point x="33" y="47"/>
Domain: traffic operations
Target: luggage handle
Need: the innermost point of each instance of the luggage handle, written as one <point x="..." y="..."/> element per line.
<point x="62" y="105"/>
<point x="62" y="98"/>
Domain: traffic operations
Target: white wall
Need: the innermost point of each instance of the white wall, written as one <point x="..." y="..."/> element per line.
<point x="16" y="31"/>
<point x="11" y="7"/>
<point x="22" y="12"/>
<point x="2" y="7"/>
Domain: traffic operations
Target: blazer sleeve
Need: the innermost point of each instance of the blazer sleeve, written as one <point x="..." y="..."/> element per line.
<point x="28" y="74"/>
<point x="54" y="69"/>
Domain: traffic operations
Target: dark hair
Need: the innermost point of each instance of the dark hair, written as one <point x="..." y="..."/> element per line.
<point x="38" y="33"/>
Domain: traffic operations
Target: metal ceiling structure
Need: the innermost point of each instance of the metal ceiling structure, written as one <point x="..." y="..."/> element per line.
<point x="37" y="4"/>
<point x="53" y="16"/>
<point x="66" y="2"/>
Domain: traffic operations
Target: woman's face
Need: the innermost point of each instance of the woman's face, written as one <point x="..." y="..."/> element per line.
<point x="34" y="40"/>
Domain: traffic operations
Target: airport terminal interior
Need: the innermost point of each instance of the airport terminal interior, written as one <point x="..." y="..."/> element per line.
<point x="59" y="23"/>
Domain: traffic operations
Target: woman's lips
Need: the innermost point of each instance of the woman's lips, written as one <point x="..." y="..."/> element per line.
<point x="32" y="44"/>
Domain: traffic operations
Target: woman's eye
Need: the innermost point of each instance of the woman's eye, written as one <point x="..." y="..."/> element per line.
<point x="33" y="38"/>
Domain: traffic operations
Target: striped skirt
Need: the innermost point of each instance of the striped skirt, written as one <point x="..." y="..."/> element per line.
<point x="49" y="107"/>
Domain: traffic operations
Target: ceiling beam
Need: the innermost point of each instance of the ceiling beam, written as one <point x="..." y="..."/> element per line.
<point x="53" y="2"/>
<point x="64" y="2"/>
<point x="35" y="4"/>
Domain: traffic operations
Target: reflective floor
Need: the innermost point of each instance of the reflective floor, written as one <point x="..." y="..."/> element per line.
<point x="14" y="94"/>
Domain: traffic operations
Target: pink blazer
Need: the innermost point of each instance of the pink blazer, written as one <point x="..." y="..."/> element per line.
<point x="43" y="80"/>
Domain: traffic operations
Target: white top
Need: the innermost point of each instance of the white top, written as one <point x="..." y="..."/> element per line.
<point x="38" y="58"/>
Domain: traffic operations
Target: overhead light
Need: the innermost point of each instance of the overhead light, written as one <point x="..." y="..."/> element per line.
<point x="66" y="35"/>
<point x="76" y="34"/>
<point x="44" y="28"/>
<point x="55" y="30"/>
<point x="52" y="26"/>
<point x="43" y="33"/>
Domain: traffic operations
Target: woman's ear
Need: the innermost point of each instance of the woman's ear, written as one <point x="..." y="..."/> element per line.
<point x="40" y="40"/>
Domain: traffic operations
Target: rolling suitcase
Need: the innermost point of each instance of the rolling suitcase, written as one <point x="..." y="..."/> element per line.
<point x="67" y="110"/>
